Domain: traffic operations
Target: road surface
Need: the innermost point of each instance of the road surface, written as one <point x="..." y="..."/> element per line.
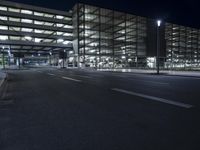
<point x="54" y="109"/>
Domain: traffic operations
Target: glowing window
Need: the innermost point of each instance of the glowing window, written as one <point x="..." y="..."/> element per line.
<point x="48" y="32"/>
<point x="3" y="37"/>
<point x="3" y="27"/>
<point x="48" y="24"/>
<point x="14" y="10"/>
<point x="15" y="38"/>
<point x="38" y="40"/>
<point x="60" y="33"/>
<point x="38" y="14"/>
<point x="3" y="8"/>
<point x="68" y="27"/>
<point x="39" y="22"/>
<point x="59" y="17"/>
<point x="3" y="18"/>
<point x="68" y="34"/>
<point x="39" y="31"/>
<point x="27" y="30"/>
<point x="26" y="12"/>
<point x="14" y="19"/>
<point x="27" y="21"/>
<point x="59" y="25"/>
<point x="67" y="18"/>
<point x="15" y="28"/>
<point x="48" y="15"/>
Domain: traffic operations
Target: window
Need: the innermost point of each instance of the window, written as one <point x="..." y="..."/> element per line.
<point x="39" y="31"/>
<point x="27" y="30"/>
<point x="27" y="21"/>
<point x="3" y="27"/>
<point x="67" y="18"/>
<point x="60" y="33"/>
<point x="3" y="8"/>
<point x="3" y="37"/>
<point x="47" y="40"/>
<point x="28" y="38"/>
<point x="15" y="28"/>
<point x="48" y="15"/>
<point x="26" y="12"/>
<point x="3" y="18"/>
<point x="59" y="25"/>
<point x="48" y="24"/>
<point x="48" y="32"/>
<point x="38" y="40"/>
<point x="39" y="22"/>
<point x="15" y="37"/>
<point x="14" y="10"/>
<point x="68" y="34"/>
<point x="59" y="17"/>
<point x="66" y="42"/>
<point x="38" y="14"/>
<point x="14" y="19"/>
<point x="68" y="27"/>
<point x="60" y="40"/>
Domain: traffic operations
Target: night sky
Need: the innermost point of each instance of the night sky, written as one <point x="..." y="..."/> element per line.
<point x="184" y="12"/>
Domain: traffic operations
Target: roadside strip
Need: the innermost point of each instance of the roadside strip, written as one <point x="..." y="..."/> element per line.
<point x="178" y="104"/>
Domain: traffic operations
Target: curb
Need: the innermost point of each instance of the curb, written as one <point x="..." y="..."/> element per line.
<point x="163" y="74"/>
<point x="3" y="80"/>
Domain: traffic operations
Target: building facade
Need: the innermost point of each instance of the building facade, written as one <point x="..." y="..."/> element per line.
<point x="111" y="39"/>
<point x="31" y="29"/>
<point x="182" y="46"/>
<point x="97" y="37"/>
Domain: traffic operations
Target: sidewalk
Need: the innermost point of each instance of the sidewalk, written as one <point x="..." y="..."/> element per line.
<point x="2" y="77"/>
<point x="164" y="72"/>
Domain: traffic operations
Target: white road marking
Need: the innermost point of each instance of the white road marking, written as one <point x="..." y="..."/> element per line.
<point x="67" y="78"/>
<point x="179" y="104"/>
<point x="83" y="76"/>
<point x="51" y="74"/>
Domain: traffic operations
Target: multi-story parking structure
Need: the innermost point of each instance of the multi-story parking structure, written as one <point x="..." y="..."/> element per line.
<point x="30" y="29"/>
<point x="96" y="37"/>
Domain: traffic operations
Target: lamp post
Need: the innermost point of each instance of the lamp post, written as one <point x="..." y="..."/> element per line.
<point x="3" y="58"/>
<point x="64" y="55"/>
<point x="9" y="55"/>
<point x="50" y="53"/>
<point x="158" y="46"/>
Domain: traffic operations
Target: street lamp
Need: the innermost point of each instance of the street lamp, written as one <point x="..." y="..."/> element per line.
<point x="9" y="55"/>
<point x="50" y="53"/>
<point x="64" y="55"/>
<point x="3" y="58"/>
<point x="158" y="47"/>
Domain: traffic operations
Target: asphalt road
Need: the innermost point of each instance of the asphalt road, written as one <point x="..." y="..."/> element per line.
<point x="54" y="109"/>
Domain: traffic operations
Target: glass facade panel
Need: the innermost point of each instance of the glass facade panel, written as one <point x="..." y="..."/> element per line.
<point x="109" y="39"/>
<point x="182" y="46"/>
<point x="14" y="10"/>
<point x="29" y="12"/>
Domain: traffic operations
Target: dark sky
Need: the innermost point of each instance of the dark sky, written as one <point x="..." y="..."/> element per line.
<point x="184" y="12"/>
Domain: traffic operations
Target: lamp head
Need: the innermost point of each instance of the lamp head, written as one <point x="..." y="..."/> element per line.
<point x="159" y="23"/>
